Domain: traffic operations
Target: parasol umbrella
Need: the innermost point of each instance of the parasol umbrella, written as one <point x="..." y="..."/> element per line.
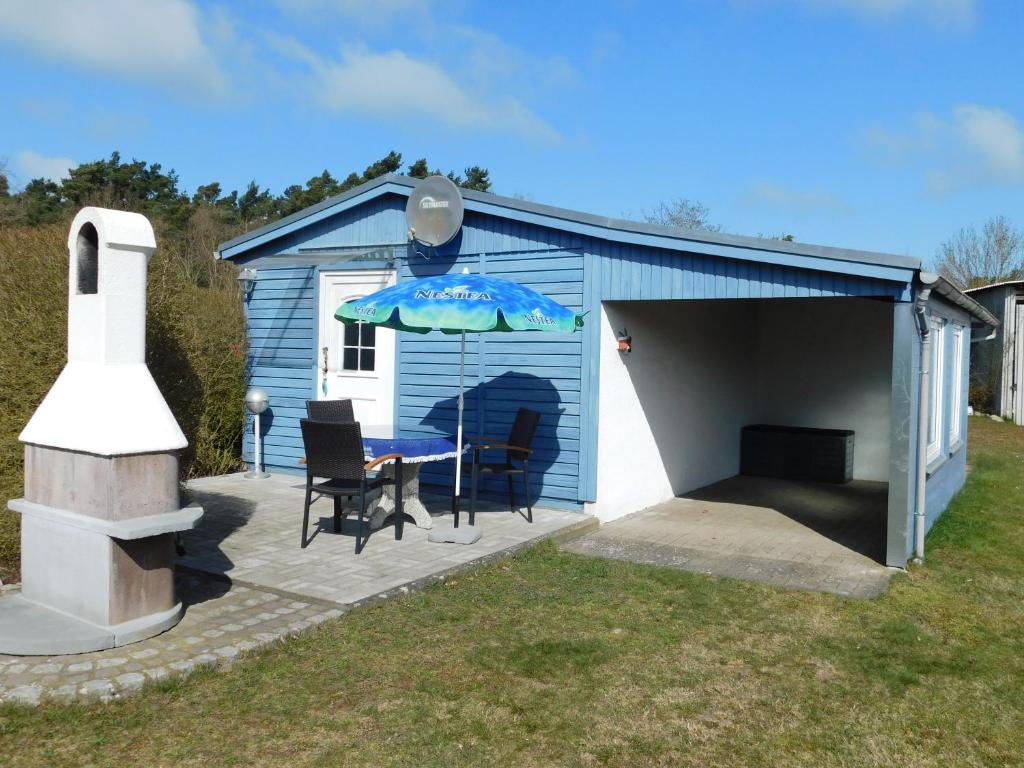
<point x="460" y="304"/>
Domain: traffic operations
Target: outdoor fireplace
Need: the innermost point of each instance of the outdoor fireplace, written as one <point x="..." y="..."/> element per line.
<point x="101" y="504"/>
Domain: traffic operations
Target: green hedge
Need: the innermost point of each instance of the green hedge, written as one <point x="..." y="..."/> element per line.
<point x="195" y="339"/>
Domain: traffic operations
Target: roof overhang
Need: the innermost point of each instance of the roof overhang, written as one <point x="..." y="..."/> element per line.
<point x="776" y="252"/>
<point x="1018" y="284"/>
<point x="954" y="295"/>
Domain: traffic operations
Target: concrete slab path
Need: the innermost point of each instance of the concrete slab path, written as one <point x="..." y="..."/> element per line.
<point x="812" y="536"/>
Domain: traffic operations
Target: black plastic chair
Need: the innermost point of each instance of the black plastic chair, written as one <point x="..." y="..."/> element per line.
<point x="335" y="411"/>
<point x="335" y="451"/>
<point x="517" y="461"/>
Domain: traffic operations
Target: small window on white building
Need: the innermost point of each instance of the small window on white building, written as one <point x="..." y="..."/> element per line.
<point x="937" y="387"/>
<point x="956" y="370"/>
<point x="359" y="347"/>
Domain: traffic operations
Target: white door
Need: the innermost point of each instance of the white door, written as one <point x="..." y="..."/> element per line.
<point x="357" y="362"/>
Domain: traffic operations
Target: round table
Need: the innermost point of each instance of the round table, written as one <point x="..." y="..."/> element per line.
<point x="417" y="448"/>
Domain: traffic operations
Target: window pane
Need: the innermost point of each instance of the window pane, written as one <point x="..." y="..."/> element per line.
<point x="350" y="359"/>
<point x="351" y="336"/>
<point x="369" y="338"/>
<point x="937" y="391"/>
<point x="367" y="360"/>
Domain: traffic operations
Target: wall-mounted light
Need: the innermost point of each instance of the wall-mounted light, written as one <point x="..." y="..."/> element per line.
<point x="247" y="281"/>
<point x="625" y="341"/>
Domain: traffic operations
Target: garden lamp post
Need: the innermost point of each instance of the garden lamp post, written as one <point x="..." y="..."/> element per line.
<point x="256" y="401"/>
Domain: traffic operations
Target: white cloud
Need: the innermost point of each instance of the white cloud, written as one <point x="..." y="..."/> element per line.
<point x="995" y="137"/>
<point x="973" y="145"/>
<point x="899" y="146"/>
<point x="765" y="193"/>
<point x="370" y="11"/>
<point x="394" y="84"/>
<point x="152" y="41"/>
<point x="961" y="11"/>
<point x="492" y="63"/>
<point x="28" y="165"/>
<point x="455" y="75"/>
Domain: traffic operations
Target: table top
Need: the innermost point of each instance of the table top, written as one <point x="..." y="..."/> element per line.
<point x="416" y="446"/>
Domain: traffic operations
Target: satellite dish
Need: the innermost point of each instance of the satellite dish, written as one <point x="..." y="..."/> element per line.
<point x="434" y="211"/>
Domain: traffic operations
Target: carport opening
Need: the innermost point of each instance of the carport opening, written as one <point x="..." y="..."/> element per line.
<point x="672" y="411"/>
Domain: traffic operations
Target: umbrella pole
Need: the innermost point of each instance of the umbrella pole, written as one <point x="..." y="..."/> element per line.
<point x="458" y="433"/>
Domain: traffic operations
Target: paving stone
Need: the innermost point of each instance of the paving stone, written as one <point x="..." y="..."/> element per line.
<point x="98" y="688"/>
<point x="115" y="661"/>
<point x="80" y="666"/>
<point x="145" y="653"/>
<point x="131" y="681"/>
<point x="228" y="652"/>
<point x="65" y="694"/>
<point x="157" y="673"/>
<point x="46" y="668"/>
<point x="28" y="695"/>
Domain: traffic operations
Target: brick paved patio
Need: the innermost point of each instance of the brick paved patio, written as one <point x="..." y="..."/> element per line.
<point x="251" y="533"/>
<point x="246" y="583"/>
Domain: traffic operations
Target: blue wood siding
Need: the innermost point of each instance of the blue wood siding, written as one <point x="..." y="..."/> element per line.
<point x="638" y="273"/>
<point x="377" y="222"/>
<point x="281" y="317"/>
<point x="504" y="371"/>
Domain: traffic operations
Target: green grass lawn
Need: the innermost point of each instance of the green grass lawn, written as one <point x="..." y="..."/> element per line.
<point x="556" y="659"/>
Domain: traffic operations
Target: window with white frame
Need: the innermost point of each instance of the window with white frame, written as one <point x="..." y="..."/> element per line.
<point x="956" y="370"/>
<point x="937" y="387"/>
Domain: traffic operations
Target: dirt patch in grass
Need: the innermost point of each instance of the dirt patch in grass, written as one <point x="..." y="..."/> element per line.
<point x="556" y="659"/>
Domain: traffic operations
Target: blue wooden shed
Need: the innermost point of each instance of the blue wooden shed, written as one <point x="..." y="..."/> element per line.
<point x="726" y="331"/>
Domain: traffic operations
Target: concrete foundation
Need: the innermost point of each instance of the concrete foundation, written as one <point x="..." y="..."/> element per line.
<point x="115" y="580"/>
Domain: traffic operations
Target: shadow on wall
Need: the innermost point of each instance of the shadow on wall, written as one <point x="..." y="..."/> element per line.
<point x="827" y="363"/>
<point x="425" y="261"/>
<point x="489" y="411"/>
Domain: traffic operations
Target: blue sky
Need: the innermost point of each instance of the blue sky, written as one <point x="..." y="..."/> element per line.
<point x="877" y="124"/>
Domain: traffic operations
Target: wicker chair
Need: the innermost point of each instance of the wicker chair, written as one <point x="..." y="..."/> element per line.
<point x="517" y="461"/>
<point x="335" y="451"/>
<point x="336" y="411"/>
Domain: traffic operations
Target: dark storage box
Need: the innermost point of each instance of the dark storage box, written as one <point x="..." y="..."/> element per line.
<point x="797" y="453"/>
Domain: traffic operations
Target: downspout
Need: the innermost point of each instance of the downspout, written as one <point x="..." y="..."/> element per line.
<point x="927" y="280"/>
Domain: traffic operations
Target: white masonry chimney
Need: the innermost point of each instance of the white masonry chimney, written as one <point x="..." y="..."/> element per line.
<point x="101" y="502"/>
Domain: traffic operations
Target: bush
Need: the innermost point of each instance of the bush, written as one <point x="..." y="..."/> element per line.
<point x="195" y="338"/>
